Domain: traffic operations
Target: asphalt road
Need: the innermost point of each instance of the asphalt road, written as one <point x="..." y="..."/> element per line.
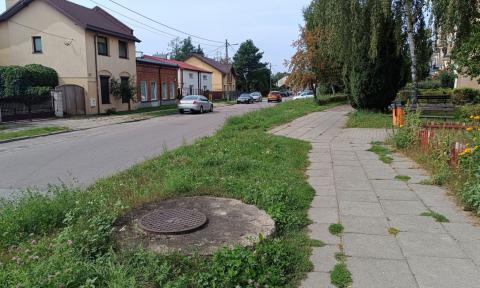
<point x="81" y="157"/>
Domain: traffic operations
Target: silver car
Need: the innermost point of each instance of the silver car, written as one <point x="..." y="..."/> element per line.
<point x="257" y="96"/>
<point x="195" y="103"/>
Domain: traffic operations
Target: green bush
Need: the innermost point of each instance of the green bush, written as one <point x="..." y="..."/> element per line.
<point x="447" y="78"/>
<point x="425" y="84"/>
<point x="17" y="81"/>
<point x="468" y="110"/>
<point x="326" y="99"/>
<point x="42" y="76"/>
<point x="465" y="95"/>
<point x="408" y="134"/>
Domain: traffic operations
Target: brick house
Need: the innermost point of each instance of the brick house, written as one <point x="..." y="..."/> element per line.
<point x="157" y="82"/>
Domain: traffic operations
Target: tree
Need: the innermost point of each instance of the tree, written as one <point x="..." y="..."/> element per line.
<point x="124" y="89"/>
<point x="252" y="74"/>
<point x="181" y="50"/>
<point x="410" y="21"/>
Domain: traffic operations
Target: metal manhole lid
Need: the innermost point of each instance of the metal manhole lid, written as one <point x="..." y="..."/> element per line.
<point x="172" y="221"/>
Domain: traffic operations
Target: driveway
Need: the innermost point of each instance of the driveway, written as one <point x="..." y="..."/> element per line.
<point x="81" y="157"/>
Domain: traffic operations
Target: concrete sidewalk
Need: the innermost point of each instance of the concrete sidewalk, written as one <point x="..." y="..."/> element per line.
<point x="359" y="191"/>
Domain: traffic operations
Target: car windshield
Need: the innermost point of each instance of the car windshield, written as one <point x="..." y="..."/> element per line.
<point x="245" y="95"/>
<point x="190" y="98"/>
<point x="255" y="94"/>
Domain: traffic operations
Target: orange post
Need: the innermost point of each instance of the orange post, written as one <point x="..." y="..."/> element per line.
<point x="400" y="116"/>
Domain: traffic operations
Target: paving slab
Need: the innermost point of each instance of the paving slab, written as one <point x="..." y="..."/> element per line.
<point x="323" y="258"/>
<point x="380" y="273"/>
<point x="403" y="207"/>
<point x="323" y="215"/>
<point x="324" y="202"/>
<point x="463" y="231"/>
<point x="357" y="196"/>
<point x="365" y="225"/>
<point x="430" y="245"/>
<point x="365" y="209"/>
<point x="422" y="224"/>
<point x="371" y="246"/>
<point x="433" y="272"/>
<point x="317" y="280"/>
<point x="319" y="231"/>
<point x="390" y="194"/>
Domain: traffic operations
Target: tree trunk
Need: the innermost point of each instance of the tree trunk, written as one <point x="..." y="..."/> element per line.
<point x="408" y="6"/>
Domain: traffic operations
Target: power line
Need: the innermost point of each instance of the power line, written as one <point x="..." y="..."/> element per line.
<point x="164" y="25"/>
<point x="43" y="32"/>
<point x="146" y="25"/>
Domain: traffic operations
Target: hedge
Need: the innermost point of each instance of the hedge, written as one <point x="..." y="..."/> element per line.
<point x="18" y="81"/>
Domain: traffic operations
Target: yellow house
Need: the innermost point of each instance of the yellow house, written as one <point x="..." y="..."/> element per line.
<point x="223" y="75"/>
<point x="87" y="47"/>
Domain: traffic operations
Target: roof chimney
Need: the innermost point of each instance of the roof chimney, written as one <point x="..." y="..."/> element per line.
<point x="10" y="3"/>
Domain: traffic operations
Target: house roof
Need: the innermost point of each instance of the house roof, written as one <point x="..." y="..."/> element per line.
<point x="224" y="68"/>
<point x="182" y="65"/>
<point x="155" y="62"/>
<point x="94" y="19"/>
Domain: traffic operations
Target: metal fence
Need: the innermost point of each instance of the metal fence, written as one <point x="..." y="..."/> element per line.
<point x="21" y="108"/>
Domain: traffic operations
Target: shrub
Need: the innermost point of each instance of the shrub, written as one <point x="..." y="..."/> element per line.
<point x="42" y="76"/>
<point x="425" y="84"/>
<point x="465" y="95"/>
<point x="2" y="81"/>
<point x="16" y="81"/>
<point x="447" y="78"/>
<point x="407" y="135"/>
<point x="326" y="99"/>
<point x="468" y="110"/>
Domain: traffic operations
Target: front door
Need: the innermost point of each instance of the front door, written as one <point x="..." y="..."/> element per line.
<point x="105" y="89"/>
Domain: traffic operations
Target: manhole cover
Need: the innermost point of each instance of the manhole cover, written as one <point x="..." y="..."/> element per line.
<point x="172" y="221"/>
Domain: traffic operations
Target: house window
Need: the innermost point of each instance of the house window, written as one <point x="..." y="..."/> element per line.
<point x="37" y="44"/>
<point x="143" y="91"/>
<point x="125" y="87"/>
<point x="190" y="89"/>
<point x="153" y="86"/>
<point x="105" y="89"/>
<point x="172" y="90"/>
<point x="205" y="88"/>
<point x="164" y="91"/>
<point x="102" y="45"/>
<point x="190" y="75"/>
<point x="205" y="77"/>
<point x="122" y="49"/>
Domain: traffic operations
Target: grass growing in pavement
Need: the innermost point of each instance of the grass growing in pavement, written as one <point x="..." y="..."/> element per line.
<point x="403" y="177"/>
<point x="382" y="152"/>
<point x="393" y="231"/>
<point x="335" y="229"/>
<point x="38" y="131"/>
<point x="368" y="119"/>
<point x="65" y="240"/>
<point x="317" y="243"/>
<point x="340" y="276"/>
<point x="340" y="257"/>
<point x="437" y="216"/>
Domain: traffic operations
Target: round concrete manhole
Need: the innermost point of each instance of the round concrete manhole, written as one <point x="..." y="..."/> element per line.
<point x="192" y="225"/>
<point x="172" y="221"/>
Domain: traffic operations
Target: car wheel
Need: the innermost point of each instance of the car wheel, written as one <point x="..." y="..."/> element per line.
<point x="181" y="111"/>
<point x="201" y="109"/>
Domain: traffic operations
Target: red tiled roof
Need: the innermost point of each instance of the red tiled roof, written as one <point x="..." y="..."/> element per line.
<point x="95" y="19"/>
<point x="180" y="64"/>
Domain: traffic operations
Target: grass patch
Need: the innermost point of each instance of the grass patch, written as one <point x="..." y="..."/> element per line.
<point x="382" y="152"/>
<point x="38" y="131"/>
<point x="69" y="234"/>
<point x="317" y="243"/>
<point x="437" y="216"/>
<point x="340" y="257"/>
<point x="335" y="229"/>
<point x="340" y="276"/>
<point x="367" y="119"/>
<point x="403" y="178"/>
<point x="393" y="231"/>
<point x="147" y="110"/>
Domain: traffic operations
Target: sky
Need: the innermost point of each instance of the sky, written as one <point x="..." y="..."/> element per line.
<point x="272" y="24"/>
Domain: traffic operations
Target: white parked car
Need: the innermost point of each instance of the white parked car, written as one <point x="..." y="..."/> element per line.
<point x="195" y="103"/>
<point x="304" y="95"/>
<point x="257" y="96"/>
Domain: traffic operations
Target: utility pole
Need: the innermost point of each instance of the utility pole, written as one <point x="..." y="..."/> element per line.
<point x="270" y="76"/>
<point x="226" y="50"/>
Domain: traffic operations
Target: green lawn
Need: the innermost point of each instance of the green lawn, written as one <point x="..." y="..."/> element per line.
<point x="148" y="110"/>
<point x="367" y="119"/>
<point x="64" y="240"/>
<point x="38" y="131"/>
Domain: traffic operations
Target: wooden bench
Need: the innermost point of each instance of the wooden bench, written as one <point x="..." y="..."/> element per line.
<point x="441" y="106"/>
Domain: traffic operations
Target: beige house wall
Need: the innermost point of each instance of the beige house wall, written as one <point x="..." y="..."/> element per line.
<point x="463" y="81"/>
<point x="217" y="76"/>
<point x="67" y="48"/>
<point x="111" y="65"/>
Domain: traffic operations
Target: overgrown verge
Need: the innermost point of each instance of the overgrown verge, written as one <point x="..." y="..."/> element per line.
<point x="369" y="119"/>
<point x="464" y="180"/>
<point x="64" y="239"/>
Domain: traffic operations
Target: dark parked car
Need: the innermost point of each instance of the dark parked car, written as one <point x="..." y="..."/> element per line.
<point x="245" y="98"/>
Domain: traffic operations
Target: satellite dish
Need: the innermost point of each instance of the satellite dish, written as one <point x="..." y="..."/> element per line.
<point x="68" y="42"/>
